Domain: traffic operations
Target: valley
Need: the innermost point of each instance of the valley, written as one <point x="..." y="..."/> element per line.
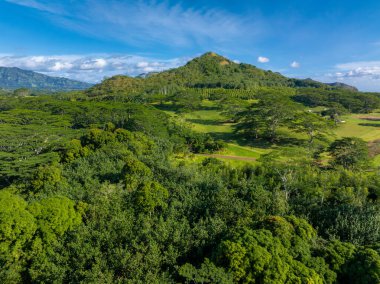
<point x="213" y="172"/>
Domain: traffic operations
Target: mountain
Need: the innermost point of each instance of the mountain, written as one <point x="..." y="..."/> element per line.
<point x="13" y="78"/>
<point x="207" y="71"/>
<point x="343" y="86"/>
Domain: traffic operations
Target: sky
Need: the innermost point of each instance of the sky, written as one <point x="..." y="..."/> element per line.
<point x="89" y="40"/>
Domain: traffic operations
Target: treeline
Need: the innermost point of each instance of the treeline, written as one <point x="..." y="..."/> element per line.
<point x="342" y="101"/>
<point x="35" y="128"/>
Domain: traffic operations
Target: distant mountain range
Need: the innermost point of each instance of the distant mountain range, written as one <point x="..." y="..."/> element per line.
<point x="207" y="71"/>
<point x="13" y="78"/>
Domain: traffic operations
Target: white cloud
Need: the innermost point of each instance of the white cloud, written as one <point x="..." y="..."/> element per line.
<point x="59" y="66"/>
<point x="97" y="63"/>
<point x="360" y="69"/>
<point x="364" y="75"/>
<point x="142" y="64"/>
<point x="89" y="68"/>
<point x="47" y="6"/>
<point x="263" y="59"/>
<point x="149" y="22"/>
<point x="295" y="64"/>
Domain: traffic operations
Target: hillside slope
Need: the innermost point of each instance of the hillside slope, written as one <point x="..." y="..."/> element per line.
<point x="207" y="71"/>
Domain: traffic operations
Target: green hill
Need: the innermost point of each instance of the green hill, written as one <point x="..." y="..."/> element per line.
<point x="14" y="78"/>
<point x="207" y="71"/>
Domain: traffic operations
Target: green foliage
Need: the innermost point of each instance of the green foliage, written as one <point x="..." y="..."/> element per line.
<point x="29" y="234"/>
<point x="342" y="99"/>
<point x="263" y="119"/>
<point x="54" y="216"/>
<point x="207" y="273"/>
<point x="352" y="264"/>
<point x="151" y="195"/>
<point x="73" y="150"/>
<point x="311" y="124"/>
<point x="349" y="152"/>
<point x="17" y="224"/>
<point x="135" y="173"/>
<point x="46" y="176"/>
<point x="276" y="254"/>
<point x="209" y="71"/>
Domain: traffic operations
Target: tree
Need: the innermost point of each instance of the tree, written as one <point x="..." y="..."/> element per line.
<point x="151" y="195"/>
<point x="17" y="227"/>
<point x="349" y="152"/>
<point x="279" y="251"/>
<point x="135" y="173"/>
<point x="47" y="175"/>
<point x="54" y="216"/>
<point x="266" y="116"/>
<point x="311" y="124"/>
<point x="22" y="92"/>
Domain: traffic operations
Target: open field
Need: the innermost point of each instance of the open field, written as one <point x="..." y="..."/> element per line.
<point x="210" y="120"/>
<point x="359" y="126"/>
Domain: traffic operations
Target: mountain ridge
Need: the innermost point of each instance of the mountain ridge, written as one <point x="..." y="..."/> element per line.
<point x="13" y="78"/>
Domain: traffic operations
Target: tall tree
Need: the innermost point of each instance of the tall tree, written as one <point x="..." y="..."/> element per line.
<point x="266" y="116"/>
<point x="349" y="152"/>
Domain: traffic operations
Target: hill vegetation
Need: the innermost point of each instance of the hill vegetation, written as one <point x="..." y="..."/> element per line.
<point x="208" y="71"/>
<point x="201" y="174"/>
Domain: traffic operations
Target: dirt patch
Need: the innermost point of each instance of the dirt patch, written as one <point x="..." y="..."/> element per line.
<point x="371" y="118"/>
<point x="224" y="62"/>
<point x="374" y="147"/>
<point x="239" y="158"/>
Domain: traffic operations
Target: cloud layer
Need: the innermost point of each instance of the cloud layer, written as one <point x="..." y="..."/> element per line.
<point x="147" y="22"/>
<point x="363" y="69"/>
<point x="364" y="75"/>
<point x="91" y="68"/>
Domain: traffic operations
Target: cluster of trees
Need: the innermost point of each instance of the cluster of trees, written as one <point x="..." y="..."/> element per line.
<point x="274" y="110"/>
<point x="34" y="129"/>
<point x="341" y="100"/>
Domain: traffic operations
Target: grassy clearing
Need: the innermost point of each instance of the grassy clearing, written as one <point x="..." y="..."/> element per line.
<point x="355" y="125"/>
<point x="210" y="120"/>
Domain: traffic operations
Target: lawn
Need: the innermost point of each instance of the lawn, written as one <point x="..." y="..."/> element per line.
<point x="355" y="125"/>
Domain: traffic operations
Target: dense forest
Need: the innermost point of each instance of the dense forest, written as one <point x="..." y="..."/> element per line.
<point x="113" y="185"/>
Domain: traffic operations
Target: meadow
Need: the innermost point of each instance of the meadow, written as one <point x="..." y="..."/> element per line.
<point x="237" y="152"/>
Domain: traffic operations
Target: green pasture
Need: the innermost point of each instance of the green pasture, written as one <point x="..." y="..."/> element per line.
<point x="356" y="125"/>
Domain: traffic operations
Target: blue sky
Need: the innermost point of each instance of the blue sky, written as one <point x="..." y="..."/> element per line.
<point x="92" y="39"/>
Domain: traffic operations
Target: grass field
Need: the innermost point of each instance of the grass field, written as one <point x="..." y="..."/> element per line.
<point x="211" y="121"/>
<point x="355" y="125"/>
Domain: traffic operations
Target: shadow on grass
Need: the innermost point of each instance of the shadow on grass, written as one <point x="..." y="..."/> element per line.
<point x="205" y="121"/>
<point x="179" y="108"/>
<point x="258" y="142"/>
<point x="370" y="124"/>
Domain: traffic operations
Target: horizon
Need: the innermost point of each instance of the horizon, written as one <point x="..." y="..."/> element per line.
<point x="333" y="41"/>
